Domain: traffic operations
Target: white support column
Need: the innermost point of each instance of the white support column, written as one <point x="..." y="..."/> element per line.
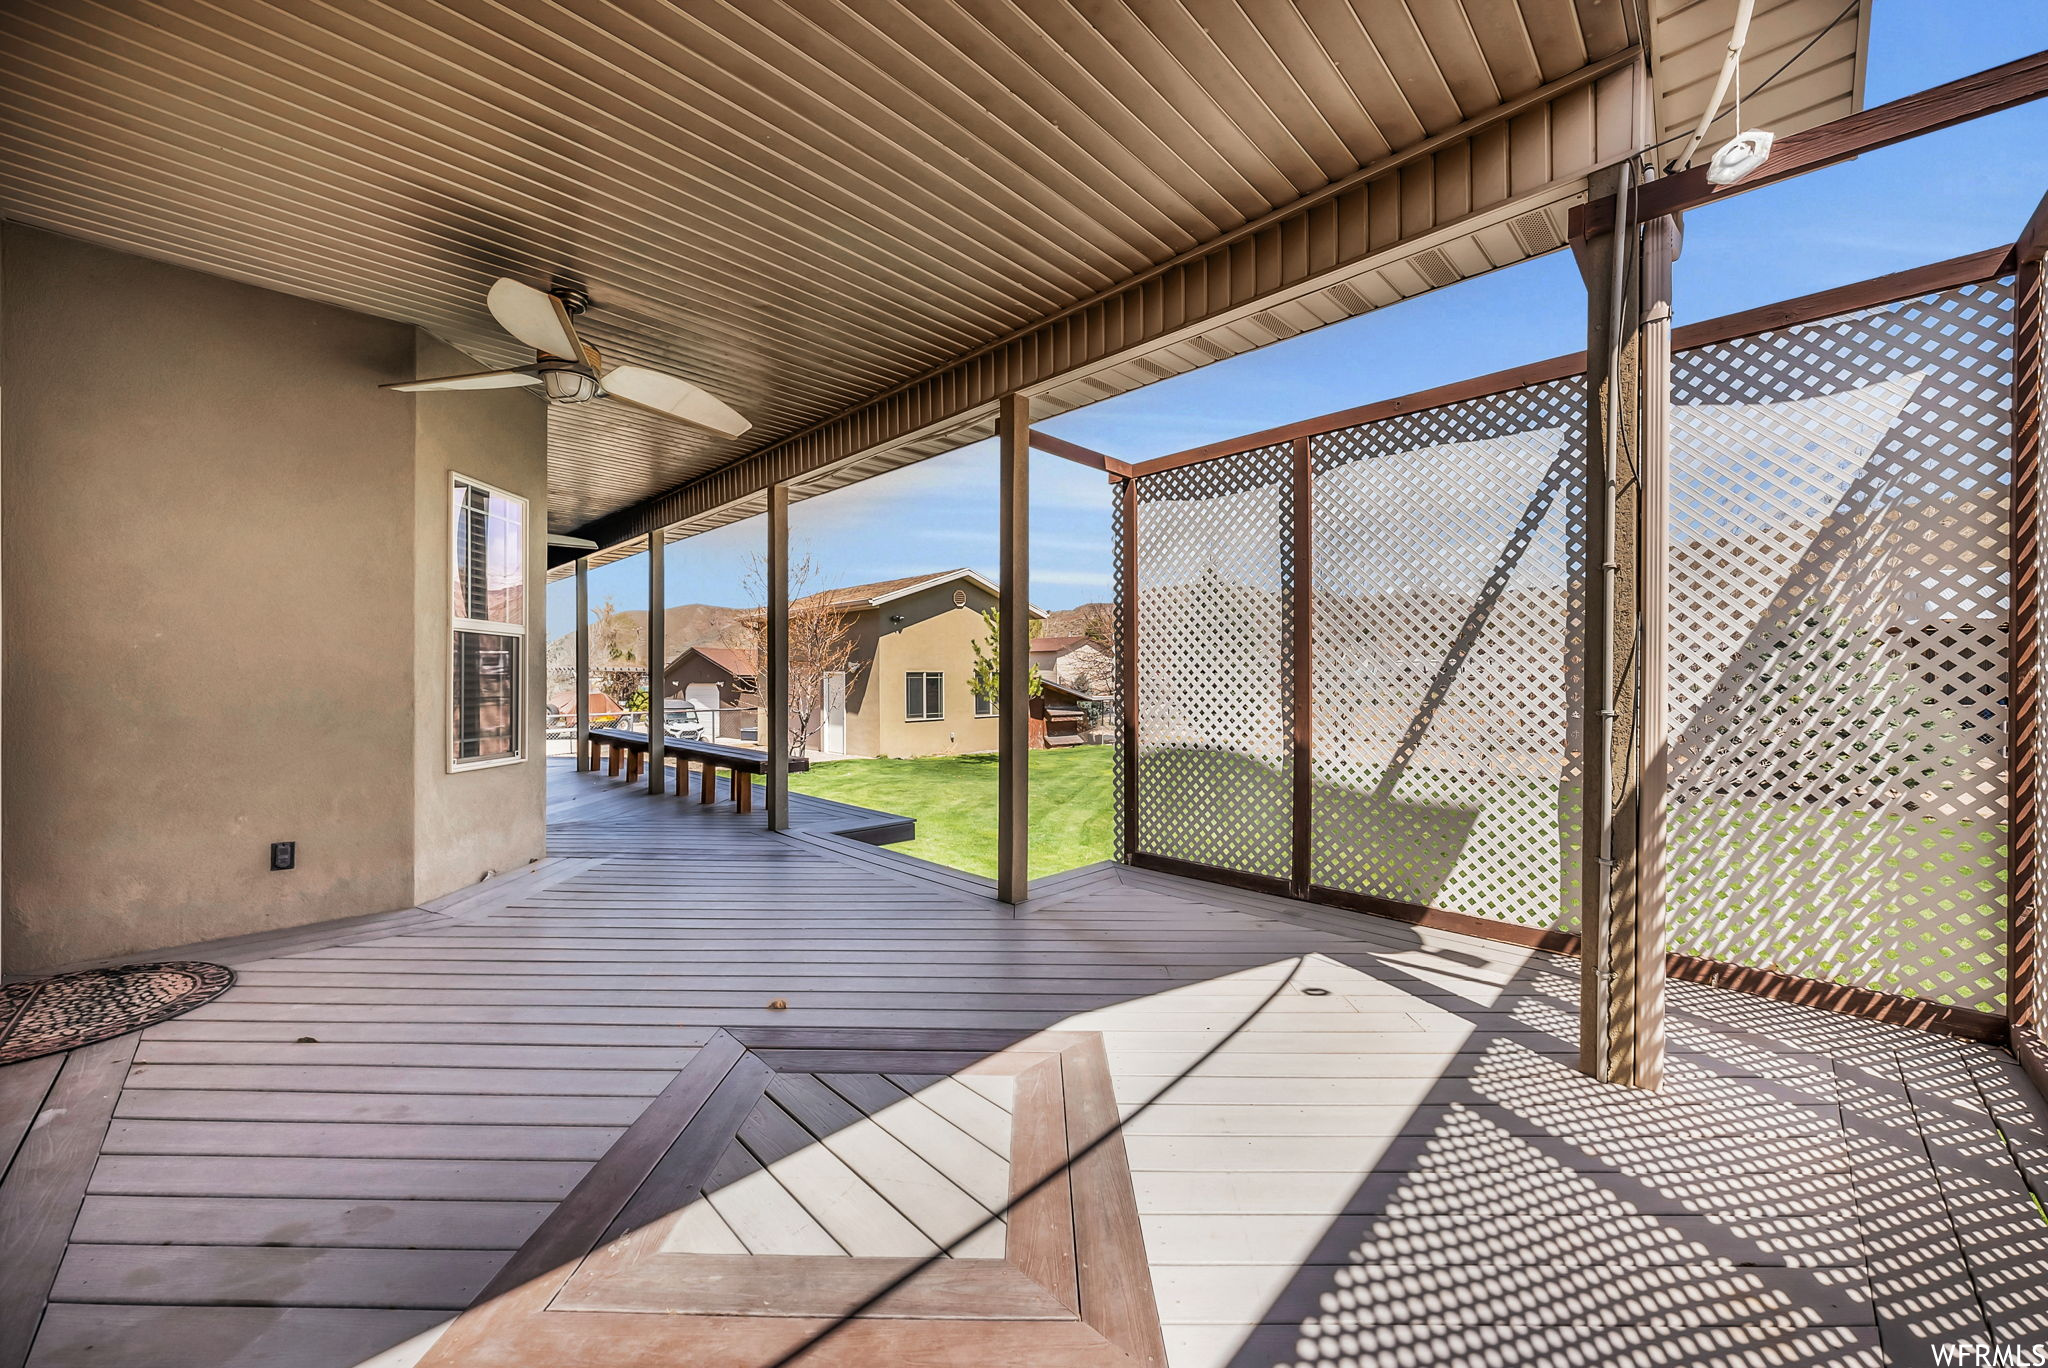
<point x="657" y="663"/>
<point x="582" y="680"/>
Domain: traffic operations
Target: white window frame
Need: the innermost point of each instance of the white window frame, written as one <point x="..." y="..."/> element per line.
<point x="456" y="481"/>
<point x="985" y="707"/>
<point x="925" y="675"/>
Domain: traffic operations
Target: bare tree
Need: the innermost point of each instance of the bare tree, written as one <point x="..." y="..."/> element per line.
<point x="821" y="643"/>
<point x="616" y="670"/>
<point x="614" y="640"/>
<point x="1095" y="624"/>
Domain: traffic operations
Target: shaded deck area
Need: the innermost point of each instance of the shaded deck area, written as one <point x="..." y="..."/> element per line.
<point x="1346" y="1140"/>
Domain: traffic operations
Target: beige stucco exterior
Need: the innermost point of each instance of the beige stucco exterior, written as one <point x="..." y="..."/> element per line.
<point x="934" y="635"/>
<point x="220" y="538"/>
<point x="473" y="823"/>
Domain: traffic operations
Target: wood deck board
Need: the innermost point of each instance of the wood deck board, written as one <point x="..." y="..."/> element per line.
<point x="46" y="1183"/>
<point x="1414" y="1147"/>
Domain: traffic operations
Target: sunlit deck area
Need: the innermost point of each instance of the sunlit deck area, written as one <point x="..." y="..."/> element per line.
<point x="1343" y="1139"/>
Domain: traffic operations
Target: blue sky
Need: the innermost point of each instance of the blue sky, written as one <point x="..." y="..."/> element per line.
<point x="1935" y="197"/>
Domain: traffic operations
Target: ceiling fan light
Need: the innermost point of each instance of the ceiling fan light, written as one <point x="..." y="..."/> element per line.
<point x="568" y="385"/>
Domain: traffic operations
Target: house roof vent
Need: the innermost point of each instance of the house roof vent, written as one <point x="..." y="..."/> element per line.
<point x="959" y="598"/>
<point x="1433" y="266"/>
<point x="1535" y="232"/>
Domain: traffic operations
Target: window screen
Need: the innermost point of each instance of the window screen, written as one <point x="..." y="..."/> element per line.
<point x="488" y="564"/>
<point x="924" y="696"/>
<point x="486" y="700"/>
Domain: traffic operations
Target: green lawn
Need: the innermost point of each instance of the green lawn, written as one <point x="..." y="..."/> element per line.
<point x="953" y="798"/>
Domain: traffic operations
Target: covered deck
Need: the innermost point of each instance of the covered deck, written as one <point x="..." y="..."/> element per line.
<point x="1345" y="1137"/>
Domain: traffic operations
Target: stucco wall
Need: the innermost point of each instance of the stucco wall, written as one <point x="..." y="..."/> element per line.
<point x="934" y="635"/>
<point x="865" y="692"/>
<point x="208" y="536"/>
<point x="474" y="823"/>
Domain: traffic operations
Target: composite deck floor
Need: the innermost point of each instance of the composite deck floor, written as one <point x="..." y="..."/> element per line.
<point x="1350" y="1141"/>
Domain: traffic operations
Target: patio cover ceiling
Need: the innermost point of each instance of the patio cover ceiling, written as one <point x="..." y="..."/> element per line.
<point x="857" y="221"/>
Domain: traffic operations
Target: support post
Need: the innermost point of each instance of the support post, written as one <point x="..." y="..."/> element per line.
<point x="1653" y="725"/>
<point x="582" y="684"/>
<point x="774" y="689"/>
<point x="1302" y="703"/>
<point x="2023" y="744"/>
<point x="657" y="663"/>
<point x="1622" y="953"/>
<point x="1013" y="653"/>
<point x="1127" y="664"/>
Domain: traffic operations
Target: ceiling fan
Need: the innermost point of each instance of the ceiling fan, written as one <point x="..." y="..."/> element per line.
<point x="568" y="368"/>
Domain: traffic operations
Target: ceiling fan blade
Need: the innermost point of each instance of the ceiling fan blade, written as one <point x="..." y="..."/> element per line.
<point x="499" y="379"/>
<point x="536" y="318"/>
<point x="672" y="397"/>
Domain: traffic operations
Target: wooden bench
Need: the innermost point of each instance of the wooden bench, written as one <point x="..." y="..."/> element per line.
<point x="627" y="751"/>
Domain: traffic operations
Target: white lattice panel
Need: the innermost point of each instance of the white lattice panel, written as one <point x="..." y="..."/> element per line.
<point x="1838" y="625"/>
<point x="1214" y="566"/>
<point x="1443" y="634"/>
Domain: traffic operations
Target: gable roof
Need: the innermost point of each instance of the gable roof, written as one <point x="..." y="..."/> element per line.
<point x="735" y="661"/>
<point x="860" y="597"/>
<point x="1054" y="686"/>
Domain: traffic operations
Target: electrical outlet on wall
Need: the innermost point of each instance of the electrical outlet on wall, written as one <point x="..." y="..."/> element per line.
<point x="284" y="854"/>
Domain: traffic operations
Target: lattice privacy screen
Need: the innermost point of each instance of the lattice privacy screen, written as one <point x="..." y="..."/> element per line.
<point x="1214" y="660"/>
<point x="1838" y="623"/>
<point x="1444" y="632"/>
<point x="1838" y="626"/>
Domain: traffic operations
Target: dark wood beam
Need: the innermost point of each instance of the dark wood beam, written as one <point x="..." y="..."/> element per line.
<point x="582" y="662"/>
<point x="1556" y="368"/>
<point x="1080" y="455"/>
<point x="1928" y="111"/>
<point x="1127" y="661"/>
<point x="773" y="726"/>
<point x="657" y="666"/>
<point x="2023" y="745"/>
<point x="1013" y="653"/>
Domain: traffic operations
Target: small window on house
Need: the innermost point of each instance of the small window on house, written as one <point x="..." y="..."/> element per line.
<point x="486" y="691"/>
<point x="924" y="696"/>
<point x="984" y="707"/>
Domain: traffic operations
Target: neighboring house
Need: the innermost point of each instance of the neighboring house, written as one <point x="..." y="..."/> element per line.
<point x="1077" y="661"/>
<point x="563" y="703"/>
<point x="720" y="677"/>
<point x="905" y="691"/>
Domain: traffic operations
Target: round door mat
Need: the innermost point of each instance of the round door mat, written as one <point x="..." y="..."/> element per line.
<point x="43" y="1016"/>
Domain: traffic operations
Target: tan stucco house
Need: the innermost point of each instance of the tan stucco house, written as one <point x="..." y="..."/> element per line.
<point x="905" y="690"/>
<point x="1077" y="661"/>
